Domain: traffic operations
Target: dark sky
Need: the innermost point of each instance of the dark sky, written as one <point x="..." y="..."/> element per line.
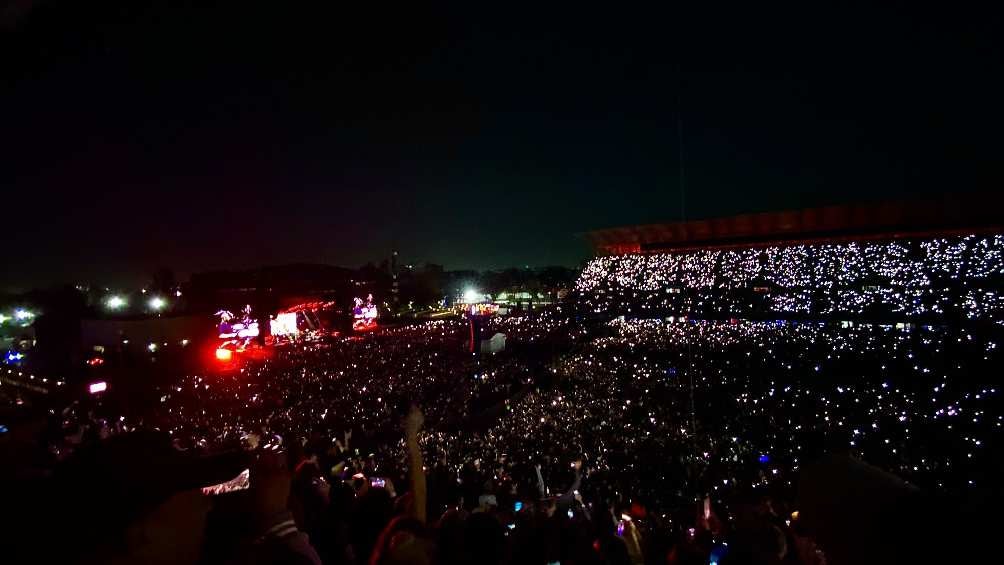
<point x="220" y="135"/>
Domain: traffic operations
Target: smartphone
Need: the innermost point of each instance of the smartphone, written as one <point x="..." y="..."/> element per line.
<point x="377" y="482"/>
<point x="240" y="482"/>
<point x="517" y="507"/>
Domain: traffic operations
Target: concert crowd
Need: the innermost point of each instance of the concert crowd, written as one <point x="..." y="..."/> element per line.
<point x="630" y="425"/>
<point x="925" y="280"/>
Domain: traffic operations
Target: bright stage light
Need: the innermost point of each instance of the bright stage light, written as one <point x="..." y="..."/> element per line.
<point x="22" y="314"/>
<point x="157" y="303"/>
<point x="471" y="296"/>
<point x="223" y="354"/>
<point x="115" y="302"/>
<point x="284" y="324"/>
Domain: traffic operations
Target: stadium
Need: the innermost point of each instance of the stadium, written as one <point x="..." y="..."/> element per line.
<point x="695" y="367"/>
<point x="670" y="284"/>
<point x="895" y="262"/>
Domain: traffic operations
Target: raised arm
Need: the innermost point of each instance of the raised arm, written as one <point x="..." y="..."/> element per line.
<point x="540" y="482"/>
<point x="569" y="495"/>
<point x="416" y="472"/>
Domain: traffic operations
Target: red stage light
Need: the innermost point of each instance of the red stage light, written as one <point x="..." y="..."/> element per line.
<point x="223" y="354"/>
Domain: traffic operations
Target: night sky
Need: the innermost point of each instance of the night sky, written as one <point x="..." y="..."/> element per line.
<point x="139" y="134"/>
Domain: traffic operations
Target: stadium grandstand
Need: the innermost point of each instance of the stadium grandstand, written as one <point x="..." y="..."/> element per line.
<point x="927" y="262"/>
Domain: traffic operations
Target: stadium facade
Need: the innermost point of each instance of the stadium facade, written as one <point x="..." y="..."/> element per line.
<point x="882" y="221"/>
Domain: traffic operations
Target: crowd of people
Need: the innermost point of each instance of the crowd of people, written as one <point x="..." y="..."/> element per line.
<point x="923" y="278"/>
<point x="589" y="439"/>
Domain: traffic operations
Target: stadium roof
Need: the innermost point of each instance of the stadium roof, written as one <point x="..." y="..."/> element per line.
<point x="886" y="220"/>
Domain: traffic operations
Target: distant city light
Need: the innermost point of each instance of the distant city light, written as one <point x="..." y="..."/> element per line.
<point x="157" y="303"/>
<point x="97" y="387"/>
<point x="115" y="302"/>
